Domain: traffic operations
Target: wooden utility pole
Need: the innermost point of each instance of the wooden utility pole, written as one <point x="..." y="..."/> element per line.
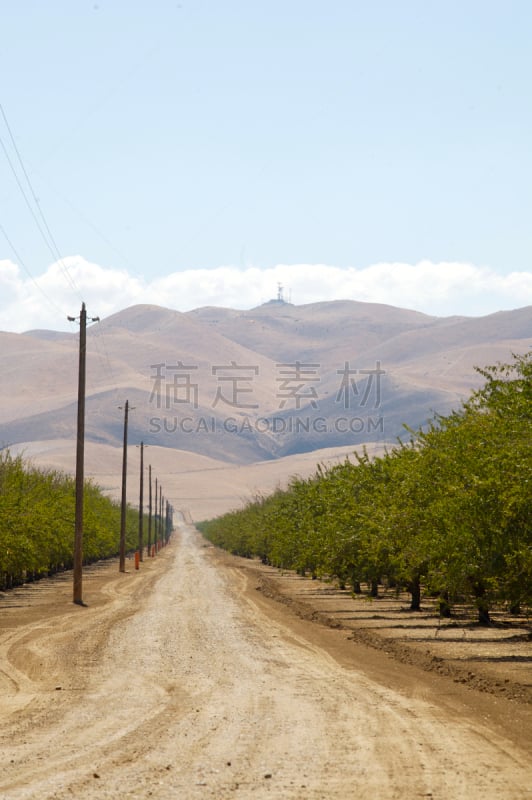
<point x="156" y="531"/>
<point x="141" y="501"/>
<point x="161" y="512"/>
<point x="149" y="512"/>
<point x="123" y="506"/>
<point x="80" y="454"/>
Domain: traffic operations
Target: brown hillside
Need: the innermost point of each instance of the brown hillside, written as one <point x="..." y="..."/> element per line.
<point x="224" y="383"/>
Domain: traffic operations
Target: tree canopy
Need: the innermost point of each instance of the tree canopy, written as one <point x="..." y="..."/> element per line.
<point x="37" y="509"/>
<point x="450" y="509"/>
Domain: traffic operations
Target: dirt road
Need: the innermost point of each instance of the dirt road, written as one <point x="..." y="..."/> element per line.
<point x="177" y="682"/>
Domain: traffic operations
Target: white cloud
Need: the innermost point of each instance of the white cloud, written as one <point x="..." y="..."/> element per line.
<point x="442" y="289"/>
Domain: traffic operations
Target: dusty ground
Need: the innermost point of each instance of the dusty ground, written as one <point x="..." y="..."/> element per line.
<point x="182" y="680"/>
<point x="495" y="659"/>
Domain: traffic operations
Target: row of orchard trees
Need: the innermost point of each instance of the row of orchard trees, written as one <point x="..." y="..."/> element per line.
<point x="37" y="511"/>
<point x="450" y="511"/>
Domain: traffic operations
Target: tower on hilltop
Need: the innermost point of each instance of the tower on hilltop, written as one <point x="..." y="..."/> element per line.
<point x="279" y="300"/>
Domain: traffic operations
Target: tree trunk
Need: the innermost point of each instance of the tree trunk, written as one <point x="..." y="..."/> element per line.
<point x="354" y="582"/>
<point x="479" y="593"/>
<point x="444" y="606"/>
<point x="415" y="590"/>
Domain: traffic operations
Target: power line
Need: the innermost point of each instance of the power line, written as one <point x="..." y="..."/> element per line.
<point x="90" y="223"/>
<point x="47" y="237"/>
<point x="27" y="271"/>
<point x="99" y="339"/>
<point x="19" y="184"/>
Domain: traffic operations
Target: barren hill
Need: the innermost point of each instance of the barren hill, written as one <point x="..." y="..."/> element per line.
<point x="253" y="385"/>
<point x="248" y="387"/>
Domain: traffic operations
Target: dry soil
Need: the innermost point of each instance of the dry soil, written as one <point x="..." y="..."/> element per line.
<point x="189" y="679"/>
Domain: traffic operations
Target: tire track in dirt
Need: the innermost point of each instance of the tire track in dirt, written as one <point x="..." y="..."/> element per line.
<point x="178" y="683"/>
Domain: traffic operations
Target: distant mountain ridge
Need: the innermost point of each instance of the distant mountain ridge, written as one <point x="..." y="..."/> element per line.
<point x="244" y="386"/>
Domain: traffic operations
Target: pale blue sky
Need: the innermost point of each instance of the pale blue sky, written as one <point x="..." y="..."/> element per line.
<point x="168" y="136"/>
